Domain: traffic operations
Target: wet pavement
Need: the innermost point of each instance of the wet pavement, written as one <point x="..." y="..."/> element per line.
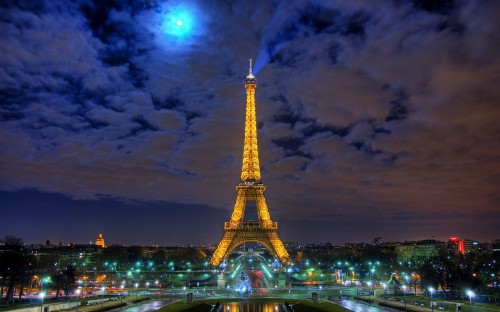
<point x="144" y="307"/>
<point x="359" y="306"/>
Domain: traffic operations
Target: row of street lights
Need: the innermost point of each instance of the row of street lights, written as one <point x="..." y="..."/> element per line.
<point x="103" y="289"/>
<point x="470" y="293"/>
<point x="78" y="291"/>
<point x="431" y="291"/>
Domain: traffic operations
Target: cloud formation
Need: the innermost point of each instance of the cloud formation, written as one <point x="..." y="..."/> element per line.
<point x="380" y="114"/>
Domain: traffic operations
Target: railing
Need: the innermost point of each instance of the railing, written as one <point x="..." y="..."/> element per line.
<point x="250" y="225"/>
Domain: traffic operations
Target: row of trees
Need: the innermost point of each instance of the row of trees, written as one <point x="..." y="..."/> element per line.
<point x="18" y="269"/>
<point x="446" y="272"/>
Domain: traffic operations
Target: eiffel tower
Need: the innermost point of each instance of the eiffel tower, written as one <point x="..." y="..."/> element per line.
<point x="264" y="231"/>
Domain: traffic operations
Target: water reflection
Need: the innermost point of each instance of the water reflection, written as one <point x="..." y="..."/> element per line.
<point x="251" y="307"/>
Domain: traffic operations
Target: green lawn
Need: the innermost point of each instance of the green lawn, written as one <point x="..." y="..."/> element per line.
<point x="298" y="305"/>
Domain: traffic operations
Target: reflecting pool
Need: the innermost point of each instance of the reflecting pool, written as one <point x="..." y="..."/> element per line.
<point x="245" y="306"/>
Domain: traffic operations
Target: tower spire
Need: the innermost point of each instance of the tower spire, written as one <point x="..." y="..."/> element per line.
<point x="250" y="171"/>
<point x="250" y="78"/>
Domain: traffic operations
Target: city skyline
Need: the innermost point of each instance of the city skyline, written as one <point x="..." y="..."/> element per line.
<point x="374" y="119"/>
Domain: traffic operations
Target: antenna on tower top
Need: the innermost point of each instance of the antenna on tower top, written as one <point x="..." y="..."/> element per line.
<point x="250" y="71"/>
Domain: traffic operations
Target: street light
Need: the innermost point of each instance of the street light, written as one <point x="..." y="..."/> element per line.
<point x="136" y="285"/>
<point x="471" y="294"/>
<point x="404" y="295"/>
<point x="42" y="294"/>
<point x="369" y="284"/>
<point x="431" y="291"/>
<point x="121" y="296"/>
<point x="77" y="292"/>
<point x="147" y="287"/>
<point x="102" y="296"/>
<point x="157" y="290"/>
<point x="385" y="295"/>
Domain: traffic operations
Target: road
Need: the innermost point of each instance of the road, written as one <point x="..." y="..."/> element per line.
<point x="359" y="306"/>
<point x="144" y="307"/>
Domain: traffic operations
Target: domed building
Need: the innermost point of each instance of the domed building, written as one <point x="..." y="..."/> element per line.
<point x="100" y="241"/>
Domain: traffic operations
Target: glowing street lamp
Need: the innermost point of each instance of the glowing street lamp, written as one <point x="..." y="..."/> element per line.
<point x="369" y="284"/>
<point x="471" y="294"/>
<point x="121" y="296"/>
<point x="157" y="290"/>
<point x="431" y="290"/>
<point x="77" y="292"/>
<point x="385" y="292"/>
<point x="404" y="295"/>
<point x="102" y="296"/>
<point x="42" y="294"/>
<point x="136" y="285"/>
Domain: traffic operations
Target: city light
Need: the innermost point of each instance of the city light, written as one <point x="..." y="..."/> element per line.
<point x="471" y="294"/>
<point x="42" y="294"/>
<point x="431" y="290"/>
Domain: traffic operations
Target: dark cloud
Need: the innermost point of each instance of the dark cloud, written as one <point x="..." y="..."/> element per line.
<point x="380" y="114"/>
<point x="439" y="7"/>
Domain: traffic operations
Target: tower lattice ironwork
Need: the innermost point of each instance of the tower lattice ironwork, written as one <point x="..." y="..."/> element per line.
<point x="250" y="188"/>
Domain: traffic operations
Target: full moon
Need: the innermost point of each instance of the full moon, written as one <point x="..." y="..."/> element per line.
<point x="178" y="22"/>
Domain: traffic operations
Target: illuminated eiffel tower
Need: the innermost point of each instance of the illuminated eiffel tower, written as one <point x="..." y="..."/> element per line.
<point x="264" y="231"/>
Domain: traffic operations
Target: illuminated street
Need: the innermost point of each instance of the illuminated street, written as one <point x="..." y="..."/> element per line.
<point x="147" y="306"/>
<point x="358" y="306"/>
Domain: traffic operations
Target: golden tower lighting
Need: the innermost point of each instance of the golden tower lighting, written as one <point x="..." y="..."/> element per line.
<point x="251" y="188"/>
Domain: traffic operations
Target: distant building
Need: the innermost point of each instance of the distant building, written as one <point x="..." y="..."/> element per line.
<point x="470" y="246"/>
<point x="495" y="246"/>
<point x="100" y="241"/>
<point x="416" y="252"/>
<point x="291" y="245"/>
<point x="455" y="245"/>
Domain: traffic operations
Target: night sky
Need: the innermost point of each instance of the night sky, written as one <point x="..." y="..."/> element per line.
<point x="375" y="118"/>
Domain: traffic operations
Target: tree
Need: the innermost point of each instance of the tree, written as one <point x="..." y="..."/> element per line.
<point x="65" y="280"/>
<point x="159" y="256"/>
<point x="11" y="240"/>
<point x="433" y="274"/>
<point x="15" y="265"/>
<point x="69" y="280"/>
<point x="135" y="253"/>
